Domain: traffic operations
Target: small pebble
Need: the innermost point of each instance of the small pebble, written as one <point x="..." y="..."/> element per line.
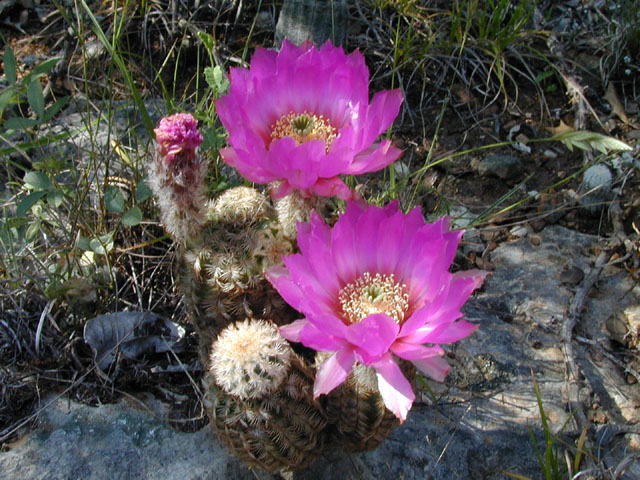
<point x="572" y="275"/>
<point x="519" y="231"/>
<point x="538" y="225"/>
<point x="535" y="240"/>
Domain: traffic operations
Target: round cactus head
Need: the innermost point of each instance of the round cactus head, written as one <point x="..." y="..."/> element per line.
<point x="250" y="359"/>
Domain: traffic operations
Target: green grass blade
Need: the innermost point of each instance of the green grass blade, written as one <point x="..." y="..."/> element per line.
<point x="120" y="63"/>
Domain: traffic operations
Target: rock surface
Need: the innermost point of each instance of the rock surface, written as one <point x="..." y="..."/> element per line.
<point x="478" y="428"/>
<point x="502" y="166"/>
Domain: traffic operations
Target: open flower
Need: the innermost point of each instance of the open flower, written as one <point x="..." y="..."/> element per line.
<point x="374" y="287"/>
<point x="301" y="116"/>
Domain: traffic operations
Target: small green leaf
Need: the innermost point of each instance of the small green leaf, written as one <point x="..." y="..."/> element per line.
<point x="55" y="108"/>
<point x="206" y="39"/>
<point x="10" y="65"/>
<point x="16" y="222"/>
<point x="32" y="231"/>
<point x="143" y="192"/>
<point x="83" y="243"/>
<point x="29" y="201"/>
<point x="217" y="80"/>
<point x="102" y="245"/>
<point x="38" y="181"/>
<point x="5" y="98"/>
<point x="132" y="217"/>
<point x="35" y="97"/>
<point x="208" y="76"/>
<point x="114" y="200"/>
<point x="55" y="198"/>
<point x="20" y="123"/>
<point x="45" y="67"/>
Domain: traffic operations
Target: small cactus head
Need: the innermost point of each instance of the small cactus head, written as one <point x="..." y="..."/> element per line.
<point x="240" y="205"/>
<point x="250" y="359"/>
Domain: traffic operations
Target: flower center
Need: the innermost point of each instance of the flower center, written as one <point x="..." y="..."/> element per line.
<point x="368" y="295"/>
<point x="303" y="127"/>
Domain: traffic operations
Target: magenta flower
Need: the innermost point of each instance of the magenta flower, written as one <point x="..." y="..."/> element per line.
<point x="177" y="135"/>
<point x="374" y="287"/>
<point x="302" y="117"/>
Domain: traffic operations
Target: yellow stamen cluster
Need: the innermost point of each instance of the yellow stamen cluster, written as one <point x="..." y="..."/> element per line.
<point x="368" y="295"/>
<point x="303" y="127"/>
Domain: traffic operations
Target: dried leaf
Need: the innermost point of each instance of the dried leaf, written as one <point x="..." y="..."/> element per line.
<point x="131" y="333"/>
<point x="575" y="92"/>
<point x="617" y="108"/>
<point x="561" y="128"/>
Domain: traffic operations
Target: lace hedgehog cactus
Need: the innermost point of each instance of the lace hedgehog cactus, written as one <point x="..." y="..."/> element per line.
<point x="374" y="290"/>
<point x="260" y="397"/>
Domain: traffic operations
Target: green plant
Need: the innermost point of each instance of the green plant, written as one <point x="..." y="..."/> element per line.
<point x="551" y="459"/>
<point x="55" y="229"/>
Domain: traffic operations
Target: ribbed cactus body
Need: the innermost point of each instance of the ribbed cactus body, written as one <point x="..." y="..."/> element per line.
<point x="221" y="271"/>
<point x="357" y="411"/>
<point x="275" y="434"/>
<point x="260" y="398"/>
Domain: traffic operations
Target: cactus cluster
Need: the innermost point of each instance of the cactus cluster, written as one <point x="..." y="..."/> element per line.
<point x="259" y="391"/>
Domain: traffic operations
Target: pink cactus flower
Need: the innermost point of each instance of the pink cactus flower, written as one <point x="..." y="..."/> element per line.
<point x="301" y="116"/>
<point x="177" y="135"/>
<point x="374" y="288"/>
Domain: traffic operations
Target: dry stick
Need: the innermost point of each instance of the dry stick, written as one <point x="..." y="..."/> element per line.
<point x="575" y="309"/>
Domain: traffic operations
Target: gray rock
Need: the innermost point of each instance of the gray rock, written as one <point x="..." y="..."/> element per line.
<point x="314" y="20"/>
<point x="506" y="167"/>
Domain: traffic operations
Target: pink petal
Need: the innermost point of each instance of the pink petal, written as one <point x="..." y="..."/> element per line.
<point x="390" y="242"/>
<point x="328" y="187"/>
<point x="373" y="336"/>
<point x="343" y="244"/>
<point x="374" y="158"/>
<point x="314" y="243"/>
<point x="314" y="292"/>
<point x="280" y="190"/>
<point x="368" y="228"/>
<point x="430" y="323"/>
<point x="333" y="371"/>
<point x="320" y="340"/>
<point x="292" y="331"/>
<point x="383" y="110"/>
<point x="330" y="325"/>
<point x="281" y="280"/>
<point x="394" y="388"/>
<point x="444" y="333"/>
<point x="411" y="351"/>
<point x="434" y="367"/>
<point x="250" y="171"/>
<point x="263" y="62"/>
